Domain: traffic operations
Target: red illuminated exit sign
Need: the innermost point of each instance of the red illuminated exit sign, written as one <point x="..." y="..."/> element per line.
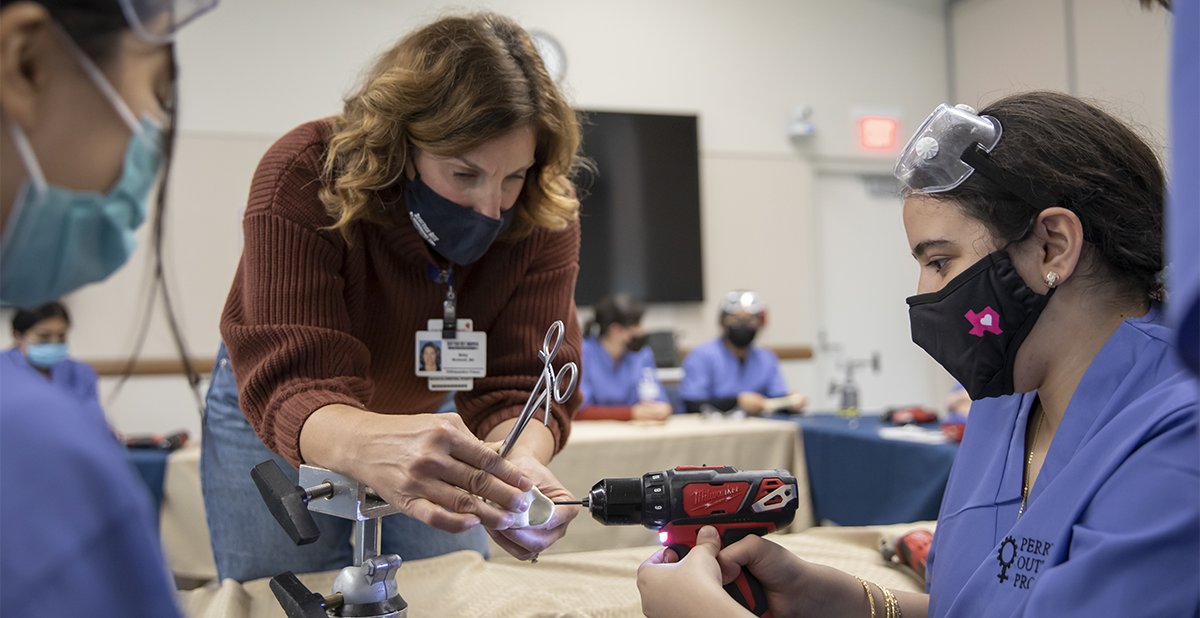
<point x="878" y="133"/>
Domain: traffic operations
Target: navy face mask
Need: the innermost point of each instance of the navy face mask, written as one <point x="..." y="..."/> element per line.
<point x="974" y="326"/>
<point x="455" y="232"/>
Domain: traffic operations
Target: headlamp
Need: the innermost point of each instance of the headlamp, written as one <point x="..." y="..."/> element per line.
<point x="157" y="21"/>
<point x="739" y="300"/>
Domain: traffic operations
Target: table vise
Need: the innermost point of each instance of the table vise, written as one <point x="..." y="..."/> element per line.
<point x="367" y="589"/>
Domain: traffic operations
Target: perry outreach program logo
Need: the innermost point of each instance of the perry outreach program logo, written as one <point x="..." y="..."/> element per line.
<point x="1025" y="559"/>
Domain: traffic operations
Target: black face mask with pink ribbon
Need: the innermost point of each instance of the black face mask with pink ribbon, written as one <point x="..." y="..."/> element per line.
<point x="974" y="326"/>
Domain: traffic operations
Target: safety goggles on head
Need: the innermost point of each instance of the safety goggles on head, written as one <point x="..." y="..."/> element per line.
<point x="157" y="21"/>
<point x="949" y="146"/>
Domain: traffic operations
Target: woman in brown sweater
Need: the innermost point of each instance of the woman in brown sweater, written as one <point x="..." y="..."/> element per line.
<point x="447" y="176"/>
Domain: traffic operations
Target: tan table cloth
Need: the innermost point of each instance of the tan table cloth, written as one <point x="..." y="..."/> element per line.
<point x="181" y="518"/>
<point x="597" y="449"/>
<point x="599" y="584"/>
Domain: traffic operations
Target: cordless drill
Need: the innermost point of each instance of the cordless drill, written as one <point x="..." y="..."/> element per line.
<point x="679" y="502"/>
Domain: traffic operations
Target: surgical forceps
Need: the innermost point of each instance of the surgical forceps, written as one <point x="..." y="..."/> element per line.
<point x="548" y="386"/>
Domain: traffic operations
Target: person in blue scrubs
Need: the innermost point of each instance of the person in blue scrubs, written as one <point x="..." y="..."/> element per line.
<point x="85" y="87"/>
<point x="620" y="378"/>
<point x="1183" y="218"/>
<point x="40" y="335"/>
<point x="1037" y="225"/>
<point x="730" y="371"/>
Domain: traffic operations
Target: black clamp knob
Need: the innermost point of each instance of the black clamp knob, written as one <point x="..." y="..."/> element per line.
<point x="288" y="502"/>
<point x="297" y="600"/>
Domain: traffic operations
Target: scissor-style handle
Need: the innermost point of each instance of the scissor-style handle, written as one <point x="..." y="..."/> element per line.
<point x="548" y="352"/>
<point x="562" y="395"/>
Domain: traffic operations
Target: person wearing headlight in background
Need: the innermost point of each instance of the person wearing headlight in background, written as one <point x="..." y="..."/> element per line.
<point x="1037" y="225"/>
<point x="86" y="89"/>
<point x="730" y="371"/>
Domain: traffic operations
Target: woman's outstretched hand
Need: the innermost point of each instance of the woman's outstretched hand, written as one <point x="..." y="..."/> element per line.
<point x="429" y="466"/>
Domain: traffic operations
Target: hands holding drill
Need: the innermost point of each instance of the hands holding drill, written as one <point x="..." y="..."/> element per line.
<point x="693" y="586"/>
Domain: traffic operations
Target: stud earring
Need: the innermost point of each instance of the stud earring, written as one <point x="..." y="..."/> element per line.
<point x="1051" y="278"/>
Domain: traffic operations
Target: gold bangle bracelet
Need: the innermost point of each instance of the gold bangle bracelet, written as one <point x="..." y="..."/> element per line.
<point x="870" y="597"/>
<point x="893" y="605"/>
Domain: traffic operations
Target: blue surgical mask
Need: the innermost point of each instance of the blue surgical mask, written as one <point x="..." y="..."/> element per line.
<point x="46" y="355"/>
<point x="455" y="232"/>
<point x="58" y="240"/>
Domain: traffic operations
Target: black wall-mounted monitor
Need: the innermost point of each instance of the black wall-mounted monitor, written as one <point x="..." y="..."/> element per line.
<point x="641" y="209"/>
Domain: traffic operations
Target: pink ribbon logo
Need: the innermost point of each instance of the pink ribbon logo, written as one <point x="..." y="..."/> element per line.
<point x="984" y="321"/>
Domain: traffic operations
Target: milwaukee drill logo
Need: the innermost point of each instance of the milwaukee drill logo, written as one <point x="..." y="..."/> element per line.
<point x="706" y="499"/>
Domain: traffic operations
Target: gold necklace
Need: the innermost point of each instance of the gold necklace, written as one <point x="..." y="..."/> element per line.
<point x="1037" y="432"/>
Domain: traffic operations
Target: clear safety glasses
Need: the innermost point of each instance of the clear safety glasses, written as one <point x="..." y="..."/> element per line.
<point x="952" y="144"/>
<point x="932" y="160"/>
<point x="157" y="21"/>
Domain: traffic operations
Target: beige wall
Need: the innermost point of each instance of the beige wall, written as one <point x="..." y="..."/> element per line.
<point x="1110" y="51"/>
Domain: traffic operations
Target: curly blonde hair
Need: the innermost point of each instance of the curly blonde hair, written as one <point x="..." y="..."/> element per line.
<point x="446" y="89"/>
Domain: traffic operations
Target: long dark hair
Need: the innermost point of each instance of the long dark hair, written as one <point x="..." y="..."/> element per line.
<point x="26" y="319"/>
<point x="96" y="26"/>
<point x="1093" y="165"/>
<point x="620" y="309"/>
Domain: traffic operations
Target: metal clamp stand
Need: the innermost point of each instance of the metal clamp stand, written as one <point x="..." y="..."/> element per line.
<point x="367" y="589"/>
<point x="849" y="389"/>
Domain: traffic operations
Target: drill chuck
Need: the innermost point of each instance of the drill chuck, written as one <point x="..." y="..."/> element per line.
<point x="616" y="501"/>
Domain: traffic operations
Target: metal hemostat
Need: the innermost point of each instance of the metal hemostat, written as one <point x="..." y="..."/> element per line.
<point x="367" y="589"/>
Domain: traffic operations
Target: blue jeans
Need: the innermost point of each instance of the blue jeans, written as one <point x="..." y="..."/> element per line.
<point x="247" y="542"/>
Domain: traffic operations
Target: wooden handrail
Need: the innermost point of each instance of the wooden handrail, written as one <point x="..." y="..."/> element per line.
<point x="795" y="352"/>
<point x="149" y="366"/>
<point x="173" y="366"/>
<point x="784" y="352"/>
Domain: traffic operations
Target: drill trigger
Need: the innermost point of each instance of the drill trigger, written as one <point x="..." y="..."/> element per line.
<point x="731" y="535"/>
<point x="680" y="550"/>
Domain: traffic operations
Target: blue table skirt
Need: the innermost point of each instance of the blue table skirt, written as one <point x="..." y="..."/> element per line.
<point x="859" y="479"/>
<point x="151" y="465"/>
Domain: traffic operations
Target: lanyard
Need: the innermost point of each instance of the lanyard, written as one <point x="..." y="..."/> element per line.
<point x="450" y="305"/>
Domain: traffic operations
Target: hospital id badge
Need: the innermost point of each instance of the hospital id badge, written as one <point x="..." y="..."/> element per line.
<point x="463" y="357"/>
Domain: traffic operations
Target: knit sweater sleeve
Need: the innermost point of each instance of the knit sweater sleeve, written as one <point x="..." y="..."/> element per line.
<point x="286" y="324"/>
<point x="545" y="293"/>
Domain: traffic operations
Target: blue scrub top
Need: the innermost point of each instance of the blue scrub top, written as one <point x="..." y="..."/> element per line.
<point x="1112" y="527"/>
<point x="711" y="371"/>
<point x="77" y="378"/>
<point x="605" y="383"/>
<point x="78" y="533"/>
<point x="1183" y="199"/>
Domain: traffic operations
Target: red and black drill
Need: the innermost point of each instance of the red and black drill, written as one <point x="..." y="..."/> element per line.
<point x="679" y="502"/>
